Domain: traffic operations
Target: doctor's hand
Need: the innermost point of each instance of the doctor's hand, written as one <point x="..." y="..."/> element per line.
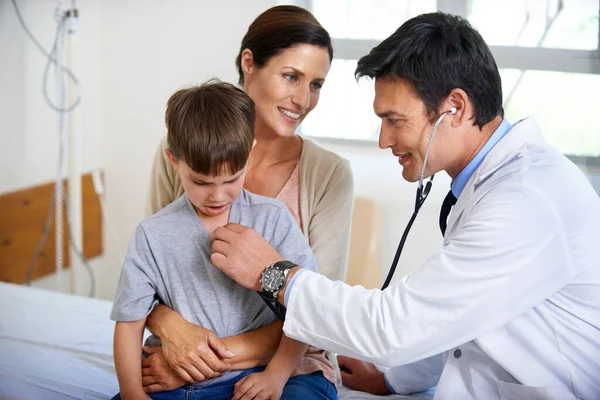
<point x="242" y="254"/>
<point x="362" y="376"/>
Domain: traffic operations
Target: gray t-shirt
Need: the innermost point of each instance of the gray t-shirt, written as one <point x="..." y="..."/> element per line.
<point x="168" y="260"/>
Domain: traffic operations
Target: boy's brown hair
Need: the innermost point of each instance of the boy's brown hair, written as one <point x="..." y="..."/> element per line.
<point x="211" y="127"/>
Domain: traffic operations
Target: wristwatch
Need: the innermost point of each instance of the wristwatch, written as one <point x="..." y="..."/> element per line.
<point x="274" y="278"/>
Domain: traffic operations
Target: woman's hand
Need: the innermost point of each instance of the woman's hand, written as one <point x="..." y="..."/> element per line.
<point x="193" y="352"/>
<point x="157" y="375"/>
<point x="259" y="385"/>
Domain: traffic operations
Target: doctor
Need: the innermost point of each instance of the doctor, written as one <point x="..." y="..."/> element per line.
<point x="510" y="306"/>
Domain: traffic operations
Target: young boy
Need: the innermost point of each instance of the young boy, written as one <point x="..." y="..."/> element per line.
<point x="210" y="135"/>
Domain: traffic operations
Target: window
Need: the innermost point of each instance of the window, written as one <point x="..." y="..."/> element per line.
<point x="567" y="24"/>
<point x="547" y="52"/>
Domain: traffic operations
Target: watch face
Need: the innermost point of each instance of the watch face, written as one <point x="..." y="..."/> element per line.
<point x="273" y="279"/>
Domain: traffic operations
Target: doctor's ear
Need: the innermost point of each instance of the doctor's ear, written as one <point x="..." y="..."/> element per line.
<point x="457" y="104"/>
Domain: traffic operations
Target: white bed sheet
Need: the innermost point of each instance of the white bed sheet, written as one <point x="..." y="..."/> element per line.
<point x="59" y="346"/>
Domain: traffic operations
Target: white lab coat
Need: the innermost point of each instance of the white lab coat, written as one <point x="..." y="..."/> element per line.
<point x="510" y="306"/>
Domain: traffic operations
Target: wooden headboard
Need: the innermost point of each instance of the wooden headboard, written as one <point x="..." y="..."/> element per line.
<point x="23" y="215"/>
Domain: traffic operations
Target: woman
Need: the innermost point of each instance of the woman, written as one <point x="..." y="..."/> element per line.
<point x="282" y="64"/>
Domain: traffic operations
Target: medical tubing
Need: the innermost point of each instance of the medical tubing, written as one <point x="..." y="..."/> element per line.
<point x="42" y="241"/>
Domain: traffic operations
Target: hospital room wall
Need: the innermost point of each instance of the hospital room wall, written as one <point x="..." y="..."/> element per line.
<point x="135" y="53"/>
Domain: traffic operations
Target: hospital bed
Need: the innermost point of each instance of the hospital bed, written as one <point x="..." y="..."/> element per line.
<point x="59" y="346"/>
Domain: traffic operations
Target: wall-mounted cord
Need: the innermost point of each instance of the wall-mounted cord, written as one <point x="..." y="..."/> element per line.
<point x="57" y="52"/>
<point x="51" y="60"/>
<point x="58" y="198"/>
<point x="42" y="241"/>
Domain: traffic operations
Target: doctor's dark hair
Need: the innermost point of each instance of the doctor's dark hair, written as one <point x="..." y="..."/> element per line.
<point x="278" y="29"/>
<point x="211" y="127"/>
<point x="436" y="53"/>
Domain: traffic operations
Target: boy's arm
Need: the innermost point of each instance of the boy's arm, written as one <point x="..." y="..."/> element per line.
<point x="254" y="348"/>
<point x="128" y="358"/>
<point x="286" y="358"/>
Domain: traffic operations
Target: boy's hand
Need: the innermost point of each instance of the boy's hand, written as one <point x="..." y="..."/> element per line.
<point x="157" y="375"/>
<point x="260" y="385"/>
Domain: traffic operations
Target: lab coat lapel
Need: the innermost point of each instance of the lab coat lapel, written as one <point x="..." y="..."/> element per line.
<point x="523" y="132"/>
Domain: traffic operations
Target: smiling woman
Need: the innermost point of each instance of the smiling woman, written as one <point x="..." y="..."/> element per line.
<point x="283" y="62"/>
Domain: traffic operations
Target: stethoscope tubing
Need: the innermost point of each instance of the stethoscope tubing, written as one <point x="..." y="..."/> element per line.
<point x="421" y="196"/>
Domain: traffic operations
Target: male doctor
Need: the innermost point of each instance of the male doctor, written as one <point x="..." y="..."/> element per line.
<point x="510" y="306"/>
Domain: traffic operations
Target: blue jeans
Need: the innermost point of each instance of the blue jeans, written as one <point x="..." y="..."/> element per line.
<point x="301" y="387"/>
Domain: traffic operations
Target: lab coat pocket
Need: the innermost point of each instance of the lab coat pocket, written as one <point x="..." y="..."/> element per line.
<point x="514" y="391"/>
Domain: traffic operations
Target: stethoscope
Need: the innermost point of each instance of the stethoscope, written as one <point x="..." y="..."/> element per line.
<point x="422" y="193"/>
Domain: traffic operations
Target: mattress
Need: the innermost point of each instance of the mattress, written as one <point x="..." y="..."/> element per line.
<point x="59" y="346"/>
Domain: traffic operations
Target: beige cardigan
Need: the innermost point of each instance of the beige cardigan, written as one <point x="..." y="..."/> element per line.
<point x="326" y="201"/>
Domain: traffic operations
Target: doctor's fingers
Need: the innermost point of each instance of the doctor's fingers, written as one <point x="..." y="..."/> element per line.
<point x="223" y="233"/>
<point x="237" y="228"/>
<point x="221" y="247"/>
